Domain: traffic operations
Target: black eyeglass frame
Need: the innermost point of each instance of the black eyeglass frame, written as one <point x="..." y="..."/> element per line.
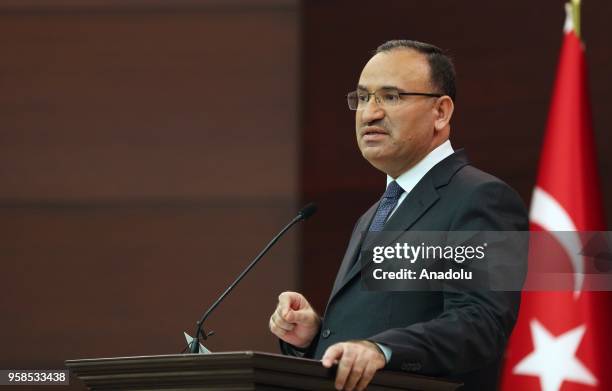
<point x="429" y="94"/>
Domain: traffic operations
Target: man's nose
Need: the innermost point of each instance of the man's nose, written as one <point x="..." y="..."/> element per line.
<point x="372" y="111"/>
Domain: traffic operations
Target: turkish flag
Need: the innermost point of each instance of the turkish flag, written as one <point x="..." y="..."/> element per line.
<point x="563" y="339"/>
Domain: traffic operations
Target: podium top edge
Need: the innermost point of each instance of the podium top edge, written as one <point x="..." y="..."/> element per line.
<point x="247" y="363"/>
<point x="245" y="354"/>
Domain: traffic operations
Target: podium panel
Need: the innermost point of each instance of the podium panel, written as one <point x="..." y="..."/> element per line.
<point x="235" y="371"/>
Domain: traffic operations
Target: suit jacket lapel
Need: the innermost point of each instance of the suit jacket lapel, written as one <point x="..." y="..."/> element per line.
<point x="417" y="202"/>
<point x="421" y="198"/>
<point x="353" y="248"/>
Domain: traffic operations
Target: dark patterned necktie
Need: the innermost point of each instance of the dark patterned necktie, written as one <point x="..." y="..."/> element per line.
<point x="387" y="204"/>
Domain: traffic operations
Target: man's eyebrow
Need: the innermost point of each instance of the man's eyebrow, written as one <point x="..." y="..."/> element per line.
<point x="360" y="87"/>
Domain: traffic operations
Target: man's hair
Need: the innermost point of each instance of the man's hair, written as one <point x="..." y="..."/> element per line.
<point x="442" y="71"/>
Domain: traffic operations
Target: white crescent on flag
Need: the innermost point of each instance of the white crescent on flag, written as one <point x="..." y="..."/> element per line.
<point x="546" y="212"/>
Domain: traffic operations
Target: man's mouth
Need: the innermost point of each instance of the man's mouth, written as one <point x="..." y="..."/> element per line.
<point x="372" y="133"/>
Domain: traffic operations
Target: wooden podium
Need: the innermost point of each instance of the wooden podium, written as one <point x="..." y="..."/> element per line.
<point x="229" y="371"/>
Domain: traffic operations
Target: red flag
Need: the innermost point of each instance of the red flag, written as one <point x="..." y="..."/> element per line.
<point x="563" y="340"/>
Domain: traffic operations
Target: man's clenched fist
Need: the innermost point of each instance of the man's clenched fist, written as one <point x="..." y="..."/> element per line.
<point x="294" y="321"/>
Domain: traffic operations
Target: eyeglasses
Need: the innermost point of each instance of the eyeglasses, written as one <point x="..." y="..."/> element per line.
<point x="385" y="98"/>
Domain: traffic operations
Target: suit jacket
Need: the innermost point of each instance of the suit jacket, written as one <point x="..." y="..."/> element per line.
<point x="459" y="335"/>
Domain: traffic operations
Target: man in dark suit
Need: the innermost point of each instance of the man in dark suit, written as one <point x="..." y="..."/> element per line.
<point x="404" y="104"/>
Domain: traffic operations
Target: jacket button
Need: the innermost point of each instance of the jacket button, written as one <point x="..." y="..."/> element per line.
<point x="326" y="333"/>
<point x="411" y="366"/>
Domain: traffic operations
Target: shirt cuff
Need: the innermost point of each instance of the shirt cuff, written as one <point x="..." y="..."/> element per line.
<point x="386" y="351"/>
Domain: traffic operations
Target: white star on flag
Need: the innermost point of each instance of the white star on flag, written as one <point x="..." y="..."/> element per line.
<point x="554" y="359"/>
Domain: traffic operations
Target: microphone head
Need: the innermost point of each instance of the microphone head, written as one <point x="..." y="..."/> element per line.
<point x="307" y="211"/>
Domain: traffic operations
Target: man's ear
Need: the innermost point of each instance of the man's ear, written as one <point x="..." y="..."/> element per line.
<point x="443" y="111"/>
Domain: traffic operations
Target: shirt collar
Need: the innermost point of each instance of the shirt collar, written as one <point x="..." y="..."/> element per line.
<point x="409" y="179"/>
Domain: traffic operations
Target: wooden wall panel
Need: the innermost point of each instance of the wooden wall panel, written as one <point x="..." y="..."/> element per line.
<point x="139" y="104"/>
<point x="128" y="280"/>
<point x="505" y="54"/>
<point x="148" y="150"/>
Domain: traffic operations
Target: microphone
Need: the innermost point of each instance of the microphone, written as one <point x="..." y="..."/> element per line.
<point x="307" y="211"/>
<point x="303" y="214"/>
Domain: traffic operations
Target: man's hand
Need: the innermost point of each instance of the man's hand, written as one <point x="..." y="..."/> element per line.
<point x="294" y="321"/>
<point x="357" y="361"/>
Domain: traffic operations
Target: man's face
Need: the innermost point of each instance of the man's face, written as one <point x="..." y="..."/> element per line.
<point x="393" y="139"/>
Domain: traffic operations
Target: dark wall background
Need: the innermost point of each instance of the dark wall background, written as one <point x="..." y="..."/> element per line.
<point x="148" y="149"/>
<point x="505" y="55"/>
<point x="140" y="144"/>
